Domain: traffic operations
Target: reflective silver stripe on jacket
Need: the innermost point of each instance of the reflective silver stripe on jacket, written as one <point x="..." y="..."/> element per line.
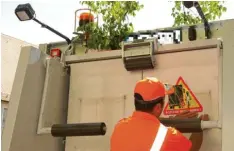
<point x="159" y="138"/>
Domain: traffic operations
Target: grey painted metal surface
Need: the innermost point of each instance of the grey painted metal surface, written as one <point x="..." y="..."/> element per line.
<point x="227" y="86"/>
<point x="54" y="97"/>
<point x="200" y="70"/>
<point x="20" y="133"/>
<point x="170" y="48"/>
<point x="11" y="48"/>
<point x="100" y="91"/>
<point x="103" y="90"/>
<point x="100" y="87"/>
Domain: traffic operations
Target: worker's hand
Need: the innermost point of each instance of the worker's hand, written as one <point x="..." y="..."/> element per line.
<point x="204" y="117"/>
<point x="186" y="114"/>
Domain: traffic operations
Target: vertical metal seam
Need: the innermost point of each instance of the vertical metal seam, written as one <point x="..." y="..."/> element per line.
<point x="220" y="81"/>
<point x="47" y="77"/>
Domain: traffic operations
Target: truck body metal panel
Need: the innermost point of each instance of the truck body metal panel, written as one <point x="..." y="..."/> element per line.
<point x="10" y="52"/>
<point x="99" y="92"/>
<point x="200" y="70"/>
<point x="227" y="85"/>
<point x="20" y="132"/>
<point x="98" y="83"/>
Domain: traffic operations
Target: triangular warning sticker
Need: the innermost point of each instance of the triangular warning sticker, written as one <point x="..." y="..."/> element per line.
<point x="182" y="99"/>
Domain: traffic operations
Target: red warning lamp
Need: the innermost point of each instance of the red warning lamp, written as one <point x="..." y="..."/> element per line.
<point x="85" y="18"/>
<point x="56" y="52"/>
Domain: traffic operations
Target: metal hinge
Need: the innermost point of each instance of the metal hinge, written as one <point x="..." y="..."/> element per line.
<point x="220" y="46"/>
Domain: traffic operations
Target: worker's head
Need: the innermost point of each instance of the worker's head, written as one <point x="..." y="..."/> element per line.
<point x="149" y="96"/>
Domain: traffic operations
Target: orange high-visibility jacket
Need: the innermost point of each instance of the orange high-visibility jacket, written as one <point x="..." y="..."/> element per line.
<point x="144" y="132"/>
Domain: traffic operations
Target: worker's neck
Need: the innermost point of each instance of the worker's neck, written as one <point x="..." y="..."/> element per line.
<point x="151" y="113"/>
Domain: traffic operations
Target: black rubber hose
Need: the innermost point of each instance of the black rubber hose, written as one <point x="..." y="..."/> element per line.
<point x="79" y="129"/>
<point x="192" y="125"/>
<point x="93" y="129"/>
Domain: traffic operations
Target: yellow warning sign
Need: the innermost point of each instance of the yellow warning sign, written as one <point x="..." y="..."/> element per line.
<point x="182" y="99"/>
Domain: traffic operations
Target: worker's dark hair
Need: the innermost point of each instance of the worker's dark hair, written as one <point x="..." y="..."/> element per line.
<point x="141" y="105"/>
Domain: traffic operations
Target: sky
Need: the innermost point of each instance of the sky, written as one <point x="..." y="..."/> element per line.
<point x="59" y="14"/>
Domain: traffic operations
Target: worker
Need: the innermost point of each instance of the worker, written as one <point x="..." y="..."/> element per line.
<point x="143" y="131"/>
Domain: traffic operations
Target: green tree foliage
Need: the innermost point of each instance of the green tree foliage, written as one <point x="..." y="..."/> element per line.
<point x="183" y="16"/>
<point x="115" y="27"/>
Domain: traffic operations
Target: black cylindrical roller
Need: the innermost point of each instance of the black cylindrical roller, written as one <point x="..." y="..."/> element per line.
<point x="192" y="125"/>
<point x="79" y="129"/>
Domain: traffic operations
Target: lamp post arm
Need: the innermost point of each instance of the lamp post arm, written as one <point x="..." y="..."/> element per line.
<point x="53" y="30"/>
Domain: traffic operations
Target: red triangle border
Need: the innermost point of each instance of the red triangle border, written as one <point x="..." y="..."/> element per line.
<point x="195" y="98"/>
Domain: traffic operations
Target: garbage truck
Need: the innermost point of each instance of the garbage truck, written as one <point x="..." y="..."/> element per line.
<point x="65" y="99"/>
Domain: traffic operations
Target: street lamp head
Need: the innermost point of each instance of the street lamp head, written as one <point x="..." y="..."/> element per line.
<point x="24" y="12"/>
<point x="188" y="4"/>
